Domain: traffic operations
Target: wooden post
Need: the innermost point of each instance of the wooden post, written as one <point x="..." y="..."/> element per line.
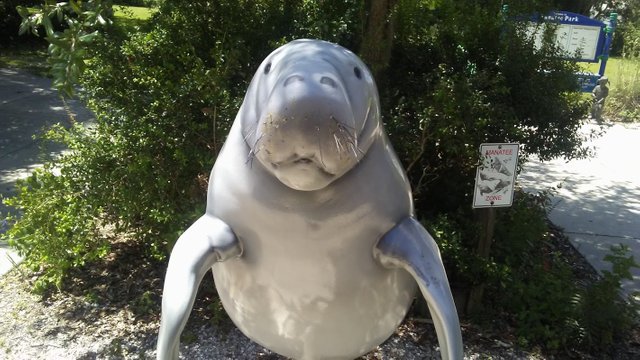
<point x="488" y="220"/>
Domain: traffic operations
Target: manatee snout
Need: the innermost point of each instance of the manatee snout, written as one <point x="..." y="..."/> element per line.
<point x="306" y="131"/>
<point x="303" y="102"/>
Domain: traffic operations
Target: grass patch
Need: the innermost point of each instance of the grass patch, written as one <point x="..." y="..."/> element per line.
<point x="133" y="12"/>
<point x="131" y="18"/>
<point x="623" y="103"/>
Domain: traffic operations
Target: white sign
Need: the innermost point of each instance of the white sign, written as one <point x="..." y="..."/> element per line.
<point x="577" y="41"/>
<point x="496" y="176"/>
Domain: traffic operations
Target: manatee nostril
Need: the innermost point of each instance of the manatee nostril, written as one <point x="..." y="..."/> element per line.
<point x="328" y="81"/>
<point x="292" y="79"/>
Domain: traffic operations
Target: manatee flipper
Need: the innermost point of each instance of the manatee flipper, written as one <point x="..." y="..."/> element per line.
<point x="206" y="242"/>
<point x="409" y="246"/>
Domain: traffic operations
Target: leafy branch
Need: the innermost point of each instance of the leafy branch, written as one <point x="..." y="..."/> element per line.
<point x="70" y="28"/>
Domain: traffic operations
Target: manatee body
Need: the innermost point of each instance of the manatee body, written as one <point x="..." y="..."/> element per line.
<point x="309" y="225"/>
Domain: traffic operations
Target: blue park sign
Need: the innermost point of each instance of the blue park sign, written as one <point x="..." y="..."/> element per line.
<point x="582" y="38"/>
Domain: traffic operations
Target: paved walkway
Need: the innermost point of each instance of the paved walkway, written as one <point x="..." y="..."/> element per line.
<point x="28" y="105"/>
<point x="598" y="204"/>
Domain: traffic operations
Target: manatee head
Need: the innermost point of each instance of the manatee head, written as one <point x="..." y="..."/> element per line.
<point x="310" y="114"/>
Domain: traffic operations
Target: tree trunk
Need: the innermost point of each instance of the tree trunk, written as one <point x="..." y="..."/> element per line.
<point x="377" y="39"/>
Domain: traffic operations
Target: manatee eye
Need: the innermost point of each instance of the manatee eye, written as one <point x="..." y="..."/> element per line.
<point x="357" y="72"/>
<point x="267" y="68"/>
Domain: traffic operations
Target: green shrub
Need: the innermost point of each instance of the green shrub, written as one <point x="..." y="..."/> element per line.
<point x="164" y="99"/>
<point x="58" y="228"/>
<point x="626" y="40"/>
<point x="532" y="286"/>
<point x="157" y="134"/>
<point x="71" y="29"/>
<point x="526" y="282"/>
<point x="631" y="38"/>
<point x="604" y="314"/>
<point x="462" y="75"/>
<point x="456" y="234"/>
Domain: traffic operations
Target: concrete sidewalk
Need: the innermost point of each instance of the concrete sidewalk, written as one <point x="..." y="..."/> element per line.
<point x="28" y="106"/>
<point x="598" y="203"/>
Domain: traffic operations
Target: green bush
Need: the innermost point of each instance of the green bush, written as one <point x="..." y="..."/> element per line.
<point x="604" y="314"/>
<point x="456" y="233"/>
<point x="626" y="40"/>
<point x="539" y="287"/>
<point x="630" y="33"/>
<point x="532" y="286"/>
<point x="10" y="23"/>
<point x="59" y="226"/>
<point x="463" y="74"/>
<point x="71" y="29"/>
<point x="525" y="282"/>
<point x="164" y="98"/>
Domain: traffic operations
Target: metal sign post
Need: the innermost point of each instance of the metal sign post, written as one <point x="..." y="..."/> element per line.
<point x="609" y="30"/>
<point x="495" y="180"/>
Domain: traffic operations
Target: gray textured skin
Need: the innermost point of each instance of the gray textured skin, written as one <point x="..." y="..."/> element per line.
<point x="309" y="226"/>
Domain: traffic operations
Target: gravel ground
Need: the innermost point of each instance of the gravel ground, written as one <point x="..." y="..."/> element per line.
<point x="73" y="327"/>
<point x="109" y="321"/>
<point x="111" y="310"/>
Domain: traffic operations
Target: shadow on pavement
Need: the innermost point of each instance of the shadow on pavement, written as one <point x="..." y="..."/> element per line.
<point x="596" y="210"/>
<point x="28" y="107"/>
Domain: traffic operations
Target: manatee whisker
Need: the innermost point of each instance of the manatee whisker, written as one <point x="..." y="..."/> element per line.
<point x="356" y="150"/>
<point x="253" y="152"/>
<point x="345" y="135"/>
<point x="250" y="158"/>
<point x="366" y="116"/>
<point x="252" y="130"/>
<point x="343" y="140"/>
<point x="352" y="141"/>
<point x="320" y="147"/>
<point x="346" y="129"/>
<point x="341" y="124"/>
<point x="338" y="144"/>
<point x="353" y="146"/>
<point x="342" y="144"/>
